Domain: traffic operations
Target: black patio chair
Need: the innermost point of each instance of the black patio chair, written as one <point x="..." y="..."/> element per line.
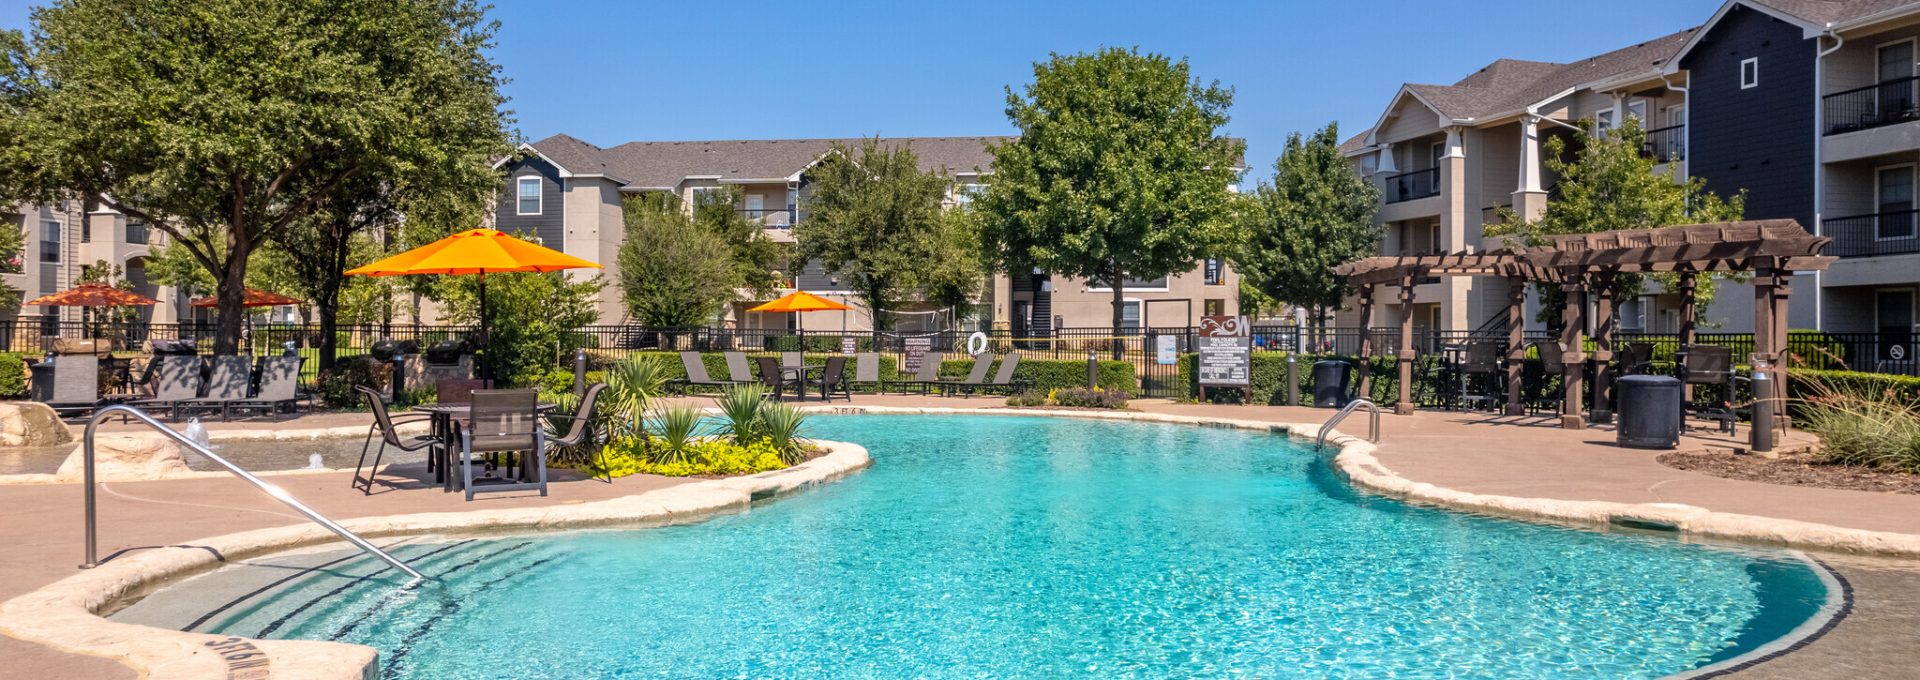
<point x="774" y="377"/>
<point x="1711" y="367"/>
<point x="833" y="377"/>
<point x="385" y="426"/>
<point x="1479" y="373"/>
<point x="1636" y="358"/>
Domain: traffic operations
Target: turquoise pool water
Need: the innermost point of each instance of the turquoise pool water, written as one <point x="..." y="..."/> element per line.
<point x="1035" y="547"/>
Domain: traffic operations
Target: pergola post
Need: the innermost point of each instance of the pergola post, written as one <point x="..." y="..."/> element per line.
<point x="1782" y="289"/>
<point x="1689" y="316"/>
<point x="1573" y="355"/>
<point x="1516" y="342"/>
<point x="1602" y="346"/>
<point x="1768" y="335"/>
<point x="1404" y="406"/>
<point x="1366" y="340"/>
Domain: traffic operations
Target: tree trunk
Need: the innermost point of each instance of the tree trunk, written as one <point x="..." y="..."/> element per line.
<point x="231" y="292"/>
<point x="1119" y="313"/>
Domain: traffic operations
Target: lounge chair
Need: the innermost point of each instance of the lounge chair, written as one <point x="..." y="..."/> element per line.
<point x="834" y="376"/>
<point x="696" y="368"/>
<point x="975" y="377"/>
<point x="1003" y="377"/>
<point x="227" y="382"/>
<point x="279" y="380"/>
<point x="929" y="374"/>
<point x="866" y="370"/>
<point x="578" y="424"/>
<point x="76" y="385"/>
<point x="389" y="436"/>
<point x="737" y="369"/>
<point x="176" y="379"/>
<point x="792" y="359"/>
<point x="504" y="421"/>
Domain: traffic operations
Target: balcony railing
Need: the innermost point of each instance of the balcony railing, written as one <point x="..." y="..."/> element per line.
<point x="770" y="218"/>
<point x="1889" y="103"/>
<point x="137" y="232"/>
<point x="1666" y="145"/>
<point x="1407" y="186"/>
<point x="1887" y="233"/>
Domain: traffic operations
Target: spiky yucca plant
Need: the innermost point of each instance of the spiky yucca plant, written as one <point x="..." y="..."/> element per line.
<point x="678" y="429"/>
<point x="631" y="385"/>
<point x="742" y="406"/>
<point x="780" y="425"/>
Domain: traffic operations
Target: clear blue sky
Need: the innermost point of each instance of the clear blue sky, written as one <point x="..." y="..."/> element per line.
<point x="610" y="72"/>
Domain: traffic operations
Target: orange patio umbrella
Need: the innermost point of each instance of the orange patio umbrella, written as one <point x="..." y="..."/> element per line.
<point x="475" y="251"/>
<point x="801" y="301"/>
<point x="93" y="295"/>
<point x="254" y="298"/>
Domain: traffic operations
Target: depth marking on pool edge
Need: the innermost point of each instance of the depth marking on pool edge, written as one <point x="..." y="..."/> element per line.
<point x="244" y="660"/>
<point x="1846" y="608"/>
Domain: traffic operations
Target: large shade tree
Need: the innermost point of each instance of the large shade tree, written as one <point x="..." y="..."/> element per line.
<point x="221" y="122"/>
<point x="1317" y="213"/>
<point x="674" y="272"/>
<point x="1119" y="173"/>
<point x="875" y="220"/>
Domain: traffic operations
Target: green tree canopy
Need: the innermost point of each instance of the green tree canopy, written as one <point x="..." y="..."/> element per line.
<point x="875" y="220"/>
<point x="674" y="272"/>
<point x="1607" y="184"/>
<point x="753" y="256"/>
<point x="1119" y="171"/>
<point x="221" y="122"/>
<point x="531" y="316"/>
<point x="1317" y="213"/>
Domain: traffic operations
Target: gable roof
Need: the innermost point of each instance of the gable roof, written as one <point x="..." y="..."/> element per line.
<point x="664" y="165"/>
<point x="1509" y="86"/>
<point x="1824" y="12"/>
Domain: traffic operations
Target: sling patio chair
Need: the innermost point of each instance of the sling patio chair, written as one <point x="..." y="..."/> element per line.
<point x="833" y="376"/>
<point x="737" y="369"/>
<point x="279" y="380"/>
<point x="175" y="379"/>
<point x="384" y="424"/>
<point x="928" y="376"/>
<point x="1003" y="378"/>
<point x="579" y="428"/>
<point x="504" y="421"/>
<point x="775" y="377"/>
<point x="76" y="385"/>
<point x="866" y="371"/>
<point x="793" y="359"/>
<point x="976" y="377"/>
<point x="229" y="380"/>
<point x="1711" y="366"/>
<point x="696" y="369"/>
<point x="458" y="390"/>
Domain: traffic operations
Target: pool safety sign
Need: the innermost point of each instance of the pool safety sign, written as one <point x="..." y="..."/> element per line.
<point x="1167" y="349"/>
<point x="1226" y="352"/>
<point x="917" y="348"/>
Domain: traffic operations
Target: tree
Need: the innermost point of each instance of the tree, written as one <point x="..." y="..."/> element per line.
<point x="530" y="315"/>
<point x="874" y="220"/>
<point x="1317" y="213"/>
<point x="674" y="272"/>
<point x="221" y="122"/>
<point x="13" y="245"/>
<point x="109" y="274"/>
<point x="1607" y="184"/>
<point x="1119" y="172"/>
<point x="956" y="274"/>
<point x="753" y="256"/>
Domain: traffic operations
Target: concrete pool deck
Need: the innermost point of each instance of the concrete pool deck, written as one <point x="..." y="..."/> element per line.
<point x="1464" y="452"/>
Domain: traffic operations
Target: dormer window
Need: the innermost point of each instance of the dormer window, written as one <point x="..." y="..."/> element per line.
<point x="529" y="203"/>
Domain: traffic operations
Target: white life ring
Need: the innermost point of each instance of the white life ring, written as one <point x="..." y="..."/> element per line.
<point x="976" y="343"/>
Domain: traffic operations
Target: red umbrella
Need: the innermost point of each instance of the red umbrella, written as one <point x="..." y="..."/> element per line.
<point x="93" y="295"/>
<point x="253" y="298"/>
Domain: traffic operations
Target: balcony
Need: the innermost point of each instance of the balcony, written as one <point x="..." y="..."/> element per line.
<point x="1408" y="186"/>
<point x="1666" y="145"/>
<point x="137" y="232"/>
<point x="1887" y="233"/>
<point x="771" y="218"/>
<point x="1889" y="103"/>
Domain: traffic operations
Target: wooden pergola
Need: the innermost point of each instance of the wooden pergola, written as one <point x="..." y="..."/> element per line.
<point x="1587" y="264"/>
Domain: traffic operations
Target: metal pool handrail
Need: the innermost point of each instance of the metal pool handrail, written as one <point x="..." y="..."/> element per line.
<point x="1373" y="427"/>
<point x="279" y="494"/>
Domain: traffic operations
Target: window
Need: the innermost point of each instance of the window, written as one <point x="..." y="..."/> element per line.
<point x="963" y="194"/>
<point x="1749" y="73"/>
<point x="1439" y="152"/>
<point x="50" y="322"/>
<point x="1212" y="275"/>
<point x="756" y="206"/>
<point x="50" y="241"/>
<point x="1213" y="307"/>
<point x="529" y="196"/>
<point x="1893" y="199"/>
<point x="136" y="231"/>
<point x="86" y="230"/>
<point x="704" y="195"/>
<point x="1896" y="61"/>
<point x="1130" y="315"/>
<point x="1895" y="94"/>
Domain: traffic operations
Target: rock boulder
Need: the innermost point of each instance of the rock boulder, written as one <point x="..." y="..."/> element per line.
<point x="26" y="423"/>
<point x="127" y="458"/>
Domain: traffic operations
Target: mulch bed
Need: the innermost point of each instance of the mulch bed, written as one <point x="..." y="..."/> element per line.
<point x="1800" y="469"/>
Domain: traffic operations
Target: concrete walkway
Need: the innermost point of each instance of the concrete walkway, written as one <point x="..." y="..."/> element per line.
<point x="1518" y="457"/>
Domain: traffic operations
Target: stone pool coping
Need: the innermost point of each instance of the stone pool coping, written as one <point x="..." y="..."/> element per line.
<point x="67" y="614"/>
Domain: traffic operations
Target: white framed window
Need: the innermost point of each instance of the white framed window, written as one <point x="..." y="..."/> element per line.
<point x="528" y="195"/>
<point x="704" y="195"/>
<point x="49" y="240"/>
<point x="1749" y="73"/>
<point x="756" y="207"/>
<point x="1893" y="203"/>
<point x="1155" y="285"/>
<point x="1130" y="314"/>
<point x="963" y="194"/>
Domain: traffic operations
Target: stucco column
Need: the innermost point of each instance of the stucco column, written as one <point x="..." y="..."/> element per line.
<point x="1602" y="346"/>
<point x="1366" y="340"/>
<point x="1455" y="212"/>
<point x="1573" y="354"/>
<point x="1516" y="342"/>
<point x="1529" y="198"/>
<point x="1619" y="115"/>
<point x="1385" y="165"/>
<point x="1404" y="405"/>
<point x="1002" y="303"/>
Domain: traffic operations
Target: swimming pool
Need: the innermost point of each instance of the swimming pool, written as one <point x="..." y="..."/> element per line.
<point x="1019" y="546"/>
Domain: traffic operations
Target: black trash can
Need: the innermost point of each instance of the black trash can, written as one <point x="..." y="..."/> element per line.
<point x="1330" y="383"/>
<point x="1649" y="411"/>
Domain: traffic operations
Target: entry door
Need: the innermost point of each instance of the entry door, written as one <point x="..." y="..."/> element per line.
<point x="1893" y="195"/>
<point x="1893" y="317"/>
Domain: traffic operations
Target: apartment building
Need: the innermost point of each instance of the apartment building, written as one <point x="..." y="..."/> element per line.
<point x="1810" y="106"/>
<point x="64" y="237"/>
<point x="567" y="193"/>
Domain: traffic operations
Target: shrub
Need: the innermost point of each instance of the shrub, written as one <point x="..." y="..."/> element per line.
<point x="708" y="457"/>
<point x="780" y="427"/>
<point x="679" y="429"/>
<point x="1867" y="427"/>
<point x="13" y="376"/>
<point x="1081" y="397"/>
<point x="335" y="386"/>
<point x="1028" y="398"/>
<point x="1040" y="374"/>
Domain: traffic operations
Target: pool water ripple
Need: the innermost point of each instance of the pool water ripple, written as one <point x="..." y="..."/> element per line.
<point x="1035" y="547"/>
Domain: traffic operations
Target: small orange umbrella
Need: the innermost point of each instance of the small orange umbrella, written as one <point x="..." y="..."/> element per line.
<point x="475" y="251"/>
<point x="93" y="295"/>
<point x="801" y="301"/>
<point x="253" y="298"/>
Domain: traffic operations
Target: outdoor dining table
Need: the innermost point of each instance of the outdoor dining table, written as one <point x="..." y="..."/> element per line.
<point x="799" y="376"/>
<point x="441" y="420"/>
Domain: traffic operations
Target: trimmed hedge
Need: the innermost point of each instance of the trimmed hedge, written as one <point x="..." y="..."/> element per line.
<point x="1042" y="374"/>
<point x="13" y="376"/>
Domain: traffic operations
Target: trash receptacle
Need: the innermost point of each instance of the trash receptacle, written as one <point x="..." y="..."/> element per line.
<point x="1330" y="384"/>
<point x="1649" y="412"/>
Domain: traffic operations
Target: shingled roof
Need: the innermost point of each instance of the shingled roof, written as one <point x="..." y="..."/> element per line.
<point x="1510" y="85"/>
<point x="1822" y="12"/>
<point x="667" y="164"/>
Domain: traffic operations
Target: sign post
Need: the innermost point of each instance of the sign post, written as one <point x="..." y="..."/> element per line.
<point x="1226" y="355"/>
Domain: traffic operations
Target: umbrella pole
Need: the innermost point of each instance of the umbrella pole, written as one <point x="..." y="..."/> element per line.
<point x="486" y="346"/>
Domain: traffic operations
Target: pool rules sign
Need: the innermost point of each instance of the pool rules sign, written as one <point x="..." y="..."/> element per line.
<point x="1226" y="353"/>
